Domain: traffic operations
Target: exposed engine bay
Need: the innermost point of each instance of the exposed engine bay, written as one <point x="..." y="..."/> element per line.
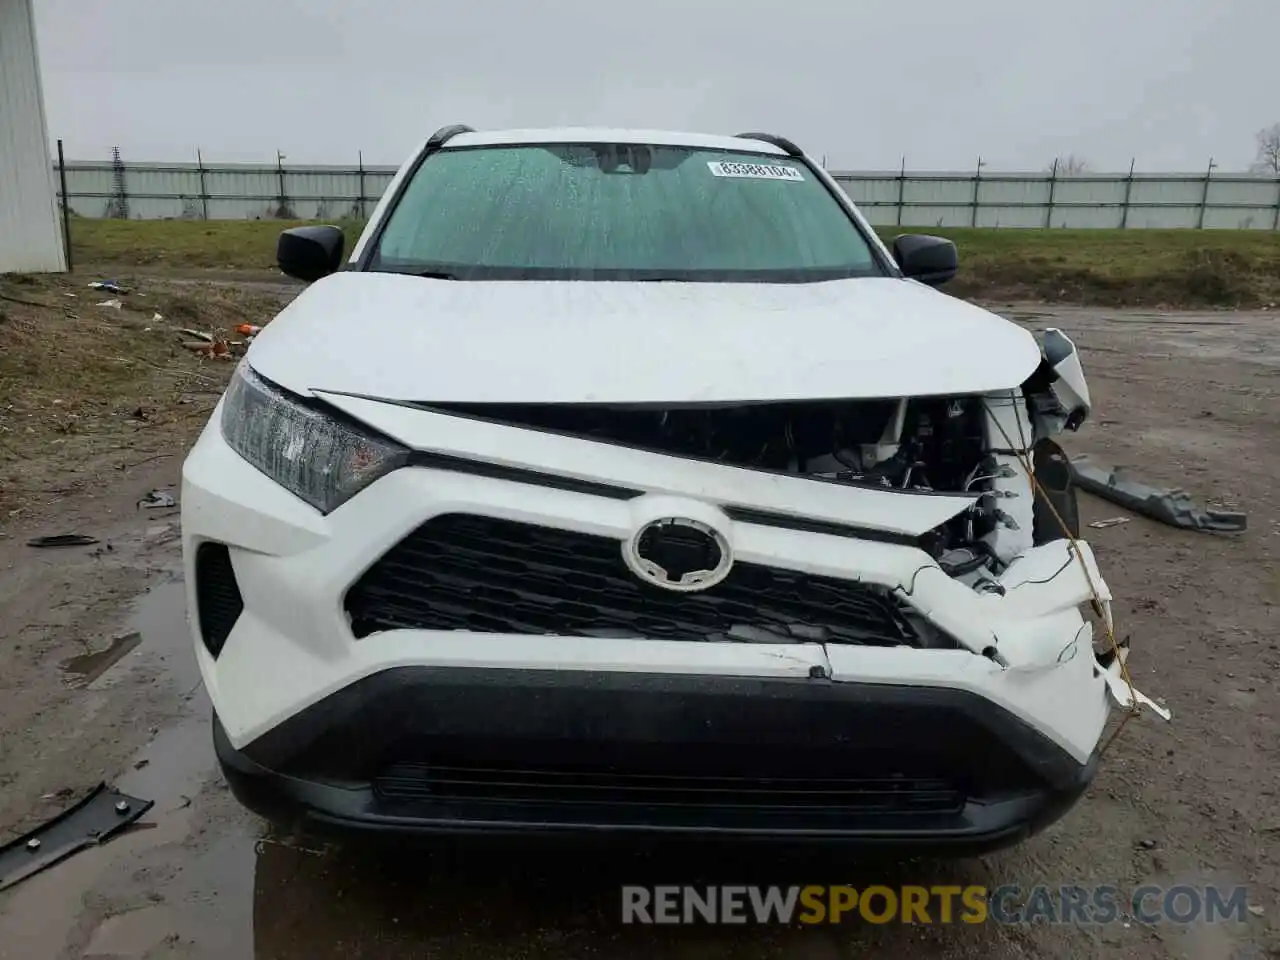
<point x="932" y="444"/>
<point x="974" y="444"/>
<point x="886" y="442"/>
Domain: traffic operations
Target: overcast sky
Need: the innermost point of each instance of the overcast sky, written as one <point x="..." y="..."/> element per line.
<point x="863" y="82"/>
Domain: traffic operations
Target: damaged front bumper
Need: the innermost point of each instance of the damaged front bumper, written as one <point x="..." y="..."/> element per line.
<point x="490" y="721"/>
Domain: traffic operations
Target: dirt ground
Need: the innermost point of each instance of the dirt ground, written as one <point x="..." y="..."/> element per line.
<point x="1186" y="399"/>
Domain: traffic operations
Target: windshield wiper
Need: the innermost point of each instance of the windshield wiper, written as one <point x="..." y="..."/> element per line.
<point x="437" y="275"/>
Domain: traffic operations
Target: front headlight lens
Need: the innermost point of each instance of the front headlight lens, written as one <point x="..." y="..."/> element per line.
<point x="312" y="454"/>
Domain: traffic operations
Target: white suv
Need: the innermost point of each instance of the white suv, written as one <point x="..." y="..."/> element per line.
<point x="624" y="481"/>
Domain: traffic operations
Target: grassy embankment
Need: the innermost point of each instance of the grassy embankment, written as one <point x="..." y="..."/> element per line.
<point x="1175" y="268"/>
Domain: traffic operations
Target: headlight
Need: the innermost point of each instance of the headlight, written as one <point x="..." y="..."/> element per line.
<point x="314" y="455"/>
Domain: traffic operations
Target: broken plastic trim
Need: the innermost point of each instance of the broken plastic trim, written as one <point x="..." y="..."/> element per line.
<point x="1123" y="693"/>
<point x="94" y="820"/>
<point x="63" y="540"/>
<point x="1172" y="506"/>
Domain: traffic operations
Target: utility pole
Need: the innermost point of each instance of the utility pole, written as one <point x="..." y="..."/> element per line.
<point x="282" y="201"/>
<point x="1204" y="197"/>
<point x="977" y="181"/>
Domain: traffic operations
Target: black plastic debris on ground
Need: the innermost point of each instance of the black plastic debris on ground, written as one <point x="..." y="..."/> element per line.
<point x="103" y="813"/>
<point x="63" y="540"/>
<point x="1172" y="506"/>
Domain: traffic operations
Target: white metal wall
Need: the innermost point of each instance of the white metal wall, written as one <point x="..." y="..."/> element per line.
<point x="1104" y="201"/>
<point x="920" y="200"/>
<point x="30" y="235"/>
<point x="228" y="191"/>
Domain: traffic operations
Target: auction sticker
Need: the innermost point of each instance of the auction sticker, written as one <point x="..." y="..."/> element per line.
<point x="753" y="171"/>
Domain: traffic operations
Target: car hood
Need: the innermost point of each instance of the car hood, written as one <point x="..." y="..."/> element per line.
<point x="407" y="338"/>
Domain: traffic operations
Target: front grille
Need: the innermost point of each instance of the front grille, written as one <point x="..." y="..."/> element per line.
<point x="218" y="600"/>
<point x="891" y="794"/>
<point x="464" y="572"/>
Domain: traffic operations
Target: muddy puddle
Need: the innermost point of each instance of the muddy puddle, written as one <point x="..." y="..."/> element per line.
<point x="88" y="667"/>
<point x="128" y="897"/>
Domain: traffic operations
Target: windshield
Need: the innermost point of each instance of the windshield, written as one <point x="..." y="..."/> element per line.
<point x="620" y="212"/>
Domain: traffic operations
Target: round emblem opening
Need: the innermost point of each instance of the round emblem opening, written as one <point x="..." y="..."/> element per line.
<point x="677" y="553"/>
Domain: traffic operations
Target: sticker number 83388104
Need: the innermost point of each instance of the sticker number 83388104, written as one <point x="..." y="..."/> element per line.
<point x="753" y="171"/>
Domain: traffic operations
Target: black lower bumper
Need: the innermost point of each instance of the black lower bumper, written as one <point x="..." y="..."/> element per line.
<point x="464" y="751"/>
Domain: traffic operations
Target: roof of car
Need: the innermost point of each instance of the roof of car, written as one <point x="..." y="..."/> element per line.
<point x="611" y="135"/>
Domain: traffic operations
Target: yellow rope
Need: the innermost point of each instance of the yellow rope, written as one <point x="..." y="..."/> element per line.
<point x="1108" y="622"/>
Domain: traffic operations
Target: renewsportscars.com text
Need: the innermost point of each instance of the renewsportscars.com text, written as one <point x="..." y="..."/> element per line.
<point x="1006" y="904"/>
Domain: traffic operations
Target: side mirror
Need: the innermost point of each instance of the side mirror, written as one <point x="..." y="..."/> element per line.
<point x="930" y="260"/>
<point x="309" y="253"/>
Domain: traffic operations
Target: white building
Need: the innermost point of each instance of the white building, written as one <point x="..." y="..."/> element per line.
<point x="30" y="230"/>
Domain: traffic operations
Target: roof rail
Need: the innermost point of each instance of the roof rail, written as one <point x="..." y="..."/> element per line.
<point x="780" y="142"/>
<point x="445" y="134"/>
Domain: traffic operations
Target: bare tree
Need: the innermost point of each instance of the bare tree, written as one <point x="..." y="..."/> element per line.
<point x="1069" y="166"/>
<point x="1268" y="158"/>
